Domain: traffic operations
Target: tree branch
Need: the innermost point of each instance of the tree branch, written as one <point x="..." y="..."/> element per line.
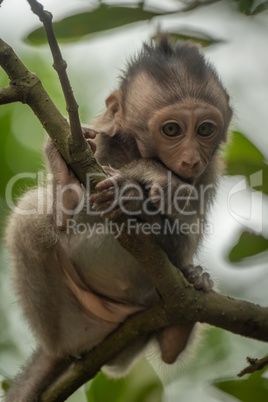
<point x="8" y="95"/>
<point x="183" y="303"/>
<point x="27" y="88"/>
<point x="254" y="365"/>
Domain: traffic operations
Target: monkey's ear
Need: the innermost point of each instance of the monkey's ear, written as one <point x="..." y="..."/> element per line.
<point x="227" y="122"/>
<point x="112" y="114"/>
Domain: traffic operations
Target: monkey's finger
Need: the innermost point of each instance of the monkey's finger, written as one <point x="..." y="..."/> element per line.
<point x="92" y="145"/>
<point x="104" y="196"/>
<point x="105" y="209"/>
<point x="193" y="274"/>
<point x="111" y="171"/>
<point x="105" y="184"/>
<point x="203" y="282"/>
<point x="110" y="182"/>
<point x="207" y="282"/>
<point x="89" y="132"/>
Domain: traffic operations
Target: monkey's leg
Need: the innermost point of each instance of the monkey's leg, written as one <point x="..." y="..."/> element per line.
<point x="173" y="340"/>
<point x="54" y="313"/>
<point x="40" y="371"/>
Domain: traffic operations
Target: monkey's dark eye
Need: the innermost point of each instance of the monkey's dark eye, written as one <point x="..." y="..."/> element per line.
<point x="206" y="129"/>
<point x="171" y="129"/>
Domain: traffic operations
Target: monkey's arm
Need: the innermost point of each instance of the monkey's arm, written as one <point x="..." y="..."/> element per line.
<point x="66" y="189"/>
<point x="125" y="192"/>
<point x="140" y="187"/>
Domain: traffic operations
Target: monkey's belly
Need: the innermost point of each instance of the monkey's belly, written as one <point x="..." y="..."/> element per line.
<point x="110" y="270"/>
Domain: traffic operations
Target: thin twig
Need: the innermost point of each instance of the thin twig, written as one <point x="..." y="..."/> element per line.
<point x="9" y="95"/>
<point x="60" y="66"/>
<point x="254" y="365"/>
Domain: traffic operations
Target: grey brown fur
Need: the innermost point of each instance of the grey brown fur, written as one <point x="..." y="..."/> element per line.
<point x="73" y="290"/>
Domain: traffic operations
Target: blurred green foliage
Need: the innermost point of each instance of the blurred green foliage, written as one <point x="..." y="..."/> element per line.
<point x="244" y="159"/>
<point x="254" y="388"/>
<point x="249" y="7"/>
<point x="22" y="136"/>
<point x="149" y="388"/>
<point x="105" y="17"/>
<point x="249" y="245"/>
<point x="101" y="18"/>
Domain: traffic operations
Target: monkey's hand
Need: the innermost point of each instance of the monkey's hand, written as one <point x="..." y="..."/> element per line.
<point x="67" y="190"/>
<point x="199" y="278"/>
<point x="169" y="194"/>
<point x="118" y="194"/>
<point x="124" y="192"/>
<point x="90" y="134"/>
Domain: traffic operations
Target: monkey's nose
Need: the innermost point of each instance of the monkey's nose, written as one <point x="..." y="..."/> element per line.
<point x="190" y="164"/>
<point x="190" y="168"/>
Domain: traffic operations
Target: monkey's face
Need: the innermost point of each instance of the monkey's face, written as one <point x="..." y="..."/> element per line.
<point x="185" y="136"/>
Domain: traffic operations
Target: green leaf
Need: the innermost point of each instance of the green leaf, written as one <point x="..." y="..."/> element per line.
<point x="254" y="388"/>
<point x="125" y="389"/>
<point x="243" y="158"/>
<point x="104" y="389"/>
<point x="245" y="6"/>
<point x="260" y="8"/>
<point x="248" y="245"/>
<point x="201" y="38"/>
<point x="240" y="148"/>
<point x="148" y="392"/>
<point x="102" y="18"/>
<point x="5" y="385"/>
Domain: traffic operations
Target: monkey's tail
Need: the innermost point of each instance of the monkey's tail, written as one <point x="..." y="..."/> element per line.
<point x="41" y="371"/>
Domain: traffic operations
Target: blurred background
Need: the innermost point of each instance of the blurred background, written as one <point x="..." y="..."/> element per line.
<point x="96" y="39"/>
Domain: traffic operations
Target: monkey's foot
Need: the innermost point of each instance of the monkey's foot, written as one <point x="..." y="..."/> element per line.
<point x="199" y="278"/>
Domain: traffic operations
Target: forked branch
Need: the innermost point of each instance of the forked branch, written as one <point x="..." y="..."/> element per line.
<point x="184" y="303"/>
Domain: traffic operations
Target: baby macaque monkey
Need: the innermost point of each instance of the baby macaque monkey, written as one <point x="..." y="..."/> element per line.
<point x="158" y="140"/>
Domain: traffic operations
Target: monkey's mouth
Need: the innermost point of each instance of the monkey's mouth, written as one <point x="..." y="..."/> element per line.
<point x="186" y="180"/>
